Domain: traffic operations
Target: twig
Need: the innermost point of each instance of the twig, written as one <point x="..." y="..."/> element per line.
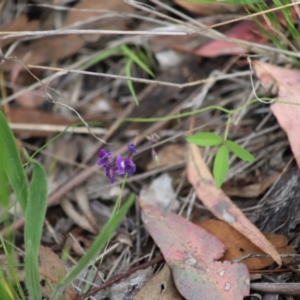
<point x="44" y="33"/>
<point x="117" y="278"/>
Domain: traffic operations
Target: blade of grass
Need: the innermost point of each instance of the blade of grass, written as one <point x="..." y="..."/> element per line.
<point x="12" y="163"/>
<point x="12" y="269"/>
<point x="102" y="56"/>
<point x="34" y="220"/>
<point x="136" y="59"/>
<point x="6" y="290"/>
<point x="98" y="244"/>
<point x="129" y="82"/>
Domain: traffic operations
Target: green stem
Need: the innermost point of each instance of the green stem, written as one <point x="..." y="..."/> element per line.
<point x="227" y="127"/>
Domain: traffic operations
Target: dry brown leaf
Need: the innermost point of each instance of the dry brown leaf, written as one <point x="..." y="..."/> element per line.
<point x="78" y="218"/>
<point x="208" y="8"/>
<point x="34" y="117"/>
<point x="95" y="7"/>
<point x="238" y="245"/>
<point x="220" y="205"/>
<point x="113" y="23"/>
<point x="42" y="50"/>
<point x="287" y="114"/>
<point x="52" y="271"/>
<point x="28" y="99"/>
<point x="168" y="155"/>
<point x="21" y="23"/>
<point x="192" y="253"/>
<point x="252" y="190"/>
<point x="160" y="287"/>
<point x="70" y="44"/>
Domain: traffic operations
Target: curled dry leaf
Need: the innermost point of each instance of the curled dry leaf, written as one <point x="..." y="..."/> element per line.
<point x="238" y="245"/>
<point x="191" y="252"/>
<point x="288" y="113"/>
<point x="81" y="220"/>
<point x="221" y="206"/>
<point x="160" y="287"/>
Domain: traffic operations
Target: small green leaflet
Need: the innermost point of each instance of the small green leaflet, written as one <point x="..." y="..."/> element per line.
<point x="221" y="165"/>
<point x="239" y="151"/>
<point x="205" y="139"/>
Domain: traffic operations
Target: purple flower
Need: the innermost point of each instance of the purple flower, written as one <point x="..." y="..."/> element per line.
<point x="120" y="164"/>
<point x="104" y="157"/>
<point x="130" y="166"/>
<point x="132" y="148"/>
<point x="118" y="167"/>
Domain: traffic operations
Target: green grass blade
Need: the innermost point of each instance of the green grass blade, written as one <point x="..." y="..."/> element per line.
<point x="6" y="290"/>
<point x="12" y="269"/>
<point x="129" y="82"/>
<point x="205" y="139"/>
<point x="136" y="59"/>
<point x="221" y="165"/>
<point x="101" y="56"/>
<point x="34" y="220"/>
<point x="98" y="244"/>
<point x="239" y="151"/>
<point x="12" y="163"/>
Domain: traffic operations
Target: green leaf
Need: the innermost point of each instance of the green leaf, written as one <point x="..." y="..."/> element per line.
<point x="205" y="139"/>
<point x="239" y="151"/>
<point x="96" y="247"/>
<point x="136" y="59"/>
<point x="221" y="165"/>
<point x="129" y="82"/>
<point x="12" y="163"/>
<point x="34" y="221"/>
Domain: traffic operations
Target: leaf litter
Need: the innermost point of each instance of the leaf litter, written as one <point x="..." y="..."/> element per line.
<point x="81" y="199"/>
<point x="191" y="253"/>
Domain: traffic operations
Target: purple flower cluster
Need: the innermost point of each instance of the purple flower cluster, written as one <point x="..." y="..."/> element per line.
<point x="118" y="167"/>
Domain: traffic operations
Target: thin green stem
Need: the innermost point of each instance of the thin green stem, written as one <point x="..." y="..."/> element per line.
<point x="190" y="113"/>
<point x="227" y="127"/>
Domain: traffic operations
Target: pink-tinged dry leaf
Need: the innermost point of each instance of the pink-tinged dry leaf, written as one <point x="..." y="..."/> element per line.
<point x="288" y="115"/>
<point x="191" y="252"/>
<point x="246" y="30"/>
<point x="221" y="206"/>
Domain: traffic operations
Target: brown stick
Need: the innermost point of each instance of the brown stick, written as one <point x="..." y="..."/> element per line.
<point x="121" y="276"/>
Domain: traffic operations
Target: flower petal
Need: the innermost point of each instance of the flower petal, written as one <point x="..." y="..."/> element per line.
<point x="132" y="148"/>
<point x="130" y="166"/>
<point x="120" y="164"/>
<point x="104" y="157"/>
